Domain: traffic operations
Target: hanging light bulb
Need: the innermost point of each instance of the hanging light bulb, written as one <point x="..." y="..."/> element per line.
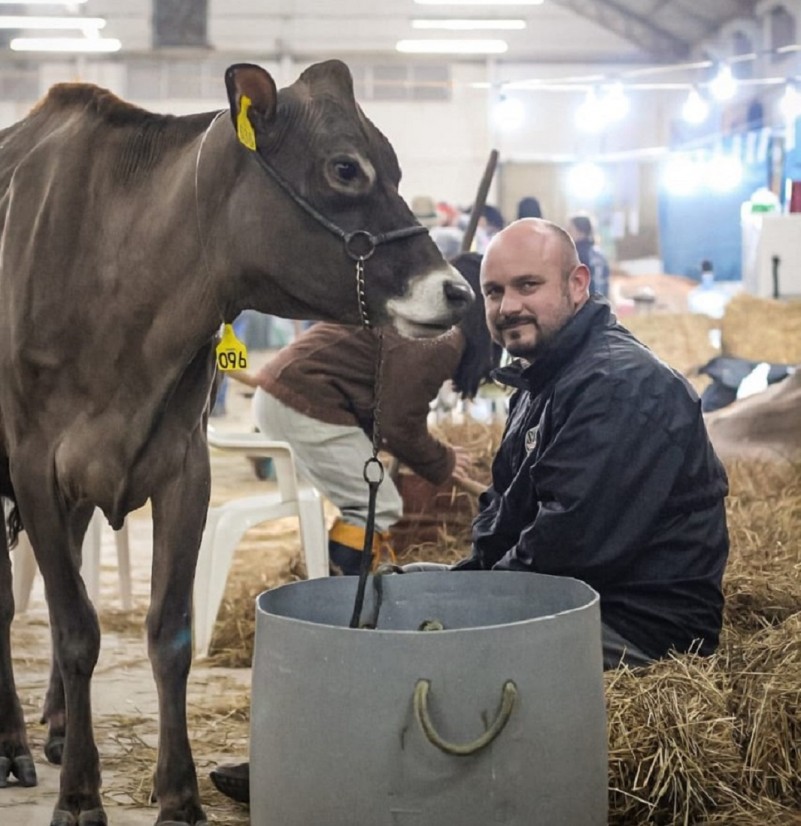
<point x="723" y="86"/>
<point x="723" y="173"/>
<point x="615" y="103"/>
<point x="590" y="115"/>
<point x="695" y="109"/>
<point x="790" y="102"/>
<point x="681" y="175"/>
<point x="586" y="181"/>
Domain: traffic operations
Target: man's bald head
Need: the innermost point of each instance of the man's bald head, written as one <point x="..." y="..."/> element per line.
<point x="533" y="283"/>
<point x="542" y="238"/>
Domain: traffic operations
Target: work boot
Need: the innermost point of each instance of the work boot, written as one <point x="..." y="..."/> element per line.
<point x="233" y="780"/>
<point x="346" y="546"/>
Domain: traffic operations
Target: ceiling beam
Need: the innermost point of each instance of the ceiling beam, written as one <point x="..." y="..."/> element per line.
<point x="656" y="42"/>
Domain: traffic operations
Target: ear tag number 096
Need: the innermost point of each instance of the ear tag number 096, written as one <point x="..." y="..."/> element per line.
<point x="231" y="353"/>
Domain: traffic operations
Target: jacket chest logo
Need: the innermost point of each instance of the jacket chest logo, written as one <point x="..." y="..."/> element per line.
<point x="532" y="438"/>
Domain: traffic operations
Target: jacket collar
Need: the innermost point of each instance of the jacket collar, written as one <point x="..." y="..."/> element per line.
<point x="559" y="351"/>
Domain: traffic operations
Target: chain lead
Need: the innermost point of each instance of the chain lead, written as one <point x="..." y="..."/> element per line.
<point x="361" y="296"/>
<point x="378" y="392"/>
<point x="372" y="483"/>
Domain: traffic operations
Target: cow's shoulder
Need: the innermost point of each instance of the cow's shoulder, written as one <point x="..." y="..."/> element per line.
<point x="91" y="99"/>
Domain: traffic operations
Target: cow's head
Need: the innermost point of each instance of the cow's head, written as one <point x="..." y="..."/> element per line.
<point x="323" y="167"/>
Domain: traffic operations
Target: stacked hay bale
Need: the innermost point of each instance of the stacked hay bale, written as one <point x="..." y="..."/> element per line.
<point x="762" y="329"/>
<point x="682" y="340"/>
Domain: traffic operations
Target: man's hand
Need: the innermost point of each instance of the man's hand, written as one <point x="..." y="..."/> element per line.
<point x="460" y="473"/>
<point x="463" y="462"/>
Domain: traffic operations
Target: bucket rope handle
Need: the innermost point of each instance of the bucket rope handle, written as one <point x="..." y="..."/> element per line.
<point x="508" y="700"/>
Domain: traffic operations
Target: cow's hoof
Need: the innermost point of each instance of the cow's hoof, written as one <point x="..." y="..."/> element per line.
<point x="54" y="749"/>
<point x="24" y="770"/>
<point x="93" y="817"/>
<point x="21" y="767"/>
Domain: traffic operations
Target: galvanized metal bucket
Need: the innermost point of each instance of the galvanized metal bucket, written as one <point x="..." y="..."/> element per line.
<point x="498" y="718"/>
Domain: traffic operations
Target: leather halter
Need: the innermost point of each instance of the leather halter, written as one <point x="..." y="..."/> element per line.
<point x="353" y="241"/>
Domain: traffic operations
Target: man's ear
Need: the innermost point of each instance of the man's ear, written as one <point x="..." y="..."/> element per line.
<point x="579" y="282"/>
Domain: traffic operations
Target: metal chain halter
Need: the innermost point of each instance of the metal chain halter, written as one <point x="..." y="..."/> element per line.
<point x="359" y="244"/>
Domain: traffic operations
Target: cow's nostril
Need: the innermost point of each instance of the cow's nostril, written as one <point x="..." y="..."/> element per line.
<point x="458" y="295"/>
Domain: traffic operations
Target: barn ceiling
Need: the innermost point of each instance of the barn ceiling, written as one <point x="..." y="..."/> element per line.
<point x="555" y="30"/>
<point x="662" y="29"/>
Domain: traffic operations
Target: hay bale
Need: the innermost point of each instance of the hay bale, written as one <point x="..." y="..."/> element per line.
<point x="765" y="672"/>
<point x="691" y="737"/>
<point x="673" y="754"/>
<point x="762" y="329"/>
<point x="681" y="340"/>
<point x="763" y="576"/>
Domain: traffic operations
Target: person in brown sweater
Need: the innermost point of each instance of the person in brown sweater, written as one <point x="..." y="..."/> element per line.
<point x="318" y="394"/>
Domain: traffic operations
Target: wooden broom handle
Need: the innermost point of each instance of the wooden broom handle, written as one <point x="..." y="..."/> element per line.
<point x="481" y="199"/>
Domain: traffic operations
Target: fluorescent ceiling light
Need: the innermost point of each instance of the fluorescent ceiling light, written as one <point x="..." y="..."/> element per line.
<point x="21" y="22"/>
<point x="479" y="2"/>
<point x="469" y="25"/>
<point x="65" y="44"/>
<point x="452" y="46"/>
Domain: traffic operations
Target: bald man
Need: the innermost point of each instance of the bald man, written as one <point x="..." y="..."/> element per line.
<point x="605" y="472"/>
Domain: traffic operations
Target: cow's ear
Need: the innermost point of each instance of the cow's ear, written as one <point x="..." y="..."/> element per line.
<point x="329" y="77"/>
<point x="253" y="99"/>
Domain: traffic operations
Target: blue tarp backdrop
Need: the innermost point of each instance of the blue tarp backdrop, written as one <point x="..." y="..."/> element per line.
<point x="706" y="223"/>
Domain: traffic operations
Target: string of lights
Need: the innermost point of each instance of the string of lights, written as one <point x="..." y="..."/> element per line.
<point x="606" y="97"/>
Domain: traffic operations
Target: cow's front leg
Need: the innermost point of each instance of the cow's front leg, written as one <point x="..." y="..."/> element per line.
<point x="15" y="755"/>
<point x="54" y="715"/>
<point x="54" y="711"/>
<point x="76" y="644"/>
<point x="179" y="512"/>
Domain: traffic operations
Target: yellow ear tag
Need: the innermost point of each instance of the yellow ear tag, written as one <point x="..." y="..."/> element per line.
<point x="244" y="129"/>
<point x="231" y="353"/>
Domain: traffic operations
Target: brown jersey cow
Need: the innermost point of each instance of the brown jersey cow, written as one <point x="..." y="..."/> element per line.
<point x="127" y="238"/>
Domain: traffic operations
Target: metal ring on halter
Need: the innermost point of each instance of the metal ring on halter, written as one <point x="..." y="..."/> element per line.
<point x="373" y="461"/>
<point x="351" y="236"/>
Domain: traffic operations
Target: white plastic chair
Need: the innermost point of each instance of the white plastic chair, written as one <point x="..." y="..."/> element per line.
<point x="25" y="567"/>
<point x="227" y="523"/>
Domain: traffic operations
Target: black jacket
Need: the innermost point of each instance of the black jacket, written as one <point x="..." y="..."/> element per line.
<point x="606" y="474"/>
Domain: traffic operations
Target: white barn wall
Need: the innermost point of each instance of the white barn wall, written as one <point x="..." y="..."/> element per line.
<point x="442" y="146"/>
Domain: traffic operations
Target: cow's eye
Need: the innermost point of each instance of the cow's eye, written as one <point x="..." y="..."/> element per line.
<point x="346" y="170"/>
